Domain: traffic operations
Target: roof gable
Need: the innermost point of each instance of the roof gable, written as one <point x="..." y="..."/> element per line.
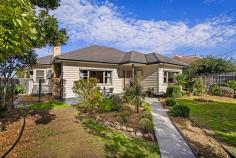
<point x="46" y="60"/>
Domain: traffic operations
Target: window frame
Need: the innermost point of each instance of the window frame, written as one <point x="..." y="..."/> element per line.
<point x="43" y="76"/>
<point x="104" y="76"/>
<point x="166" y="77"/>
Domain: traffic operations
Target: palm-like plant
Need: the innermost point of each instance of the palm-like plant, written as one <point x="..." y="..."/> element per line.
<point x="134" y="94"/>
<point x="180" y="79"/>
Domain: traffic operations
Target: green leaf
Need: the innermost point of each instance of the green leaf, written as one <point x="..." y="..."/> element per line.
<point x="19" y="22"/>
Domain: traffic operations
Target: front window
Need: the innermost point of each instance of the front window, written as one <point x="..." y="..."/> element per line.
<point x="169" y="77"/>
<point x="98" y="75"/>
<point x="39" y="75"/>
<point x="103" y="77"/>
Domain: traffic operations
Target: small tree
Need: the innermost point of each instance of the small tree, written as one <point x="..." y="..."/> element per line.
<point x="134" y="94"/>
<point x="180" y="79"/>
<point x="9" y="67"/>
<point x="88" y="92"/>
<point x="232" y="84"/>
<point x="197" y="87"/>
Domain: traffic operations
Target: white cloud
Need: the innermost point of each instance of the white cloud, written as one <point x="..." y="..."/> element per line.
<point x="103" y="24"/>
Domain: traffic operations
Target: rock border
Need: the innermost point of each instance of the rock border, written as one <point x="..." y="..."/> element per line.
<point x="128" y="130"/>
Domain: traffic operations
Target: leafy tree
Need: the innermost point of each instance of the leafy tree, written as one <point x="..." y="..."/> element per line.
<point x="134" y="94"/>
<point x="21" y="31"/>
<point x="47" y="4"/>
<point x="9" y="67"/>
<point x="17" y="27"/>
<point x="211" y="64"/>
<point x="232" y="84"/>
<point x="89" y="93"/>
<point x="48" y="32"/>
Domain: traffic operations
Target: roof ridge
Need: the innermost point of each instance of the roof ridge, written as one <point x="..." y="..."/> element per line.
<point x="156" y="55"/>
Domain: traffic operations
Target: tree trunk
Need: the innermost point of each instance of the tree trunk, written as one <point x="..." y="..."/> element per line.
<point x="137" y="106"/>
<point x="4" y="107"/>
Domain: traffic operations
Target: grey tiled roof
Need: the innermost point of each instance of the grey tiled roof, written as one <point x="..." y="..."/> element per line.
<point x="94" y="54"/>
<point x="46" y="60"/>
<point x="102" y="54"/>
<point x="133" y="57"/>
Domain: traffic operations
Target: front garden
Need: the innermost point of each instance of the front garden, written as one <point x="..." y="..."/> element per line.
<point x="124" y="123"/>
<point x="113" y="125"/>
<point x="204" y="115"/>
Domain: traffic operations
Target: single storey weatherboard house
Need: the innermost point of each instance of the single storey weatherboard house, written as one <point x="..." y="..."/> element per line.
<point x="113" y="69"/>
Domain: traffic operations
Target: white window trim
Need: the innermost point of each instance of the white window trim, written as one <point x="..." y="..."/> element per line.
<point x="174" y="71"/>
<point x="104" y="70"/>
<point x="45" y="76"/>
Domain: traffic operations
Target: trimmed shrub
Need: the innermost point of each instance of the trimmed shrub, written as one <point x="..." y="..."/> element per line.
<point x="173" y="91"/>
<point x="215" y="90"/>
<point x="227" y="91"/>
<point x="116" y="103"/>
<point x="232" y="84"/>
<point x="145" y="125"/>
<point x="180" y="110"/>
<point x="105" y="104"/>
<point x="170" y="101"/>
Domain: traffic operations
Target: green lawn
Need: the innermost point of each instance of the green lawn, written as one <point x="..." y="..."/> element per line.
<point x="49" y="105"/>
<point x="220" y="117"/>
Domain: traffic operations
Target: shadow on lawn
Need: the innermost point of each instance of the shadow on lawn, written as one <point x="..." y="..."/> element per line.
<point x="41" y="116"/>
<point x="118" y="144"/>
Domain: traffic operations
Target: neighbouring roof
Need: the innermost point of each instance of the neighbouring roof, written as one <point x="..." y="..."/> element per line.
<point x="190" y="59"/>
<point x="46" y="60"/>
<point x="103" y="54"/>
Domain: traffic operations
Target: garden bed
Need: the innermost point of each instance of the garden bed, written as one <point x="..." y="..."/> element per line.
<point x="126" y="120"/>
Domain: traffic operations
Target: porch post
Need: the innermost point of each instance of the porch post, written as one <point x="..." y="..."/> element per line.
<point x="133" y="72"/>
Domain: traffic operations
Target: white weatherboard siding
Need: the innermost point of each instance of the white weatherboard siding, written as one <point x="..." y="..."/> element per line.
<point x="162" y="85"/>
<point x="71" y="72"/>
<point x="150" y="78"/>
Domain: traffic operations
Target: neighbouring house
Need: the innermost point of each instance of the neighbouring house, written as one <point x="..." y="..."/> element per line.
<point x="189" y="59"/>
<point x="113" y="69"/>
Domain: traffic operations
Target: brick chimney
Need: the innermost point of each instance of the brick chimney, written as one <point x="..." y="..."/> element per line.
<point x="56" y="51"/>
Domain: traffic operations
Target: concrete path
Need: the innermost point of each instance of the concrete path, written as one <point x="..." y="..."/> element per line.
<point x="171" y="142"/>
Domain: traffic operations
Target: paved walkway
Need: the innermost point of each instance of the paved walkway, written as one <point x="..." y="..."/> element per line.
<point x="171" y="142"/>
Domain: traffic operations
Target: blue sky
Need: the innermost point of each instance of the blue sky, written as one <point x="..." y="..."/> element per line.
<point x="170" y="27"/>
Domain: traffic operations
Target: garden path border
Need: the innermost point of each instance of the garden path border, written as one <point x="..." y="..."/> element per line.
<point x="171" y="143"/>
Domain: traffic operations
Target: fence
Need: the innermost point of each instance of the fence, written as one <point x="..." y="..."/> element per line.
<point x="217" y="78"/>
<point x="43" y="90"/>
<point x="10" y="85"/>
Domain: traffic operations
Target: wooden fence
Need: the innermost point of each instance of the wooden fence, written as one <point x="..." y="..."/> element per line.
<point x="217" y="78"/>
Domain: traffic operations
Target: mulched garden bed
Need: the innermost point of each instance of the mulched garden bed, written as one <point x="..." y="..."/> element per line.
<point x="126" y="120"/>
<point x="202" y="144"/>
